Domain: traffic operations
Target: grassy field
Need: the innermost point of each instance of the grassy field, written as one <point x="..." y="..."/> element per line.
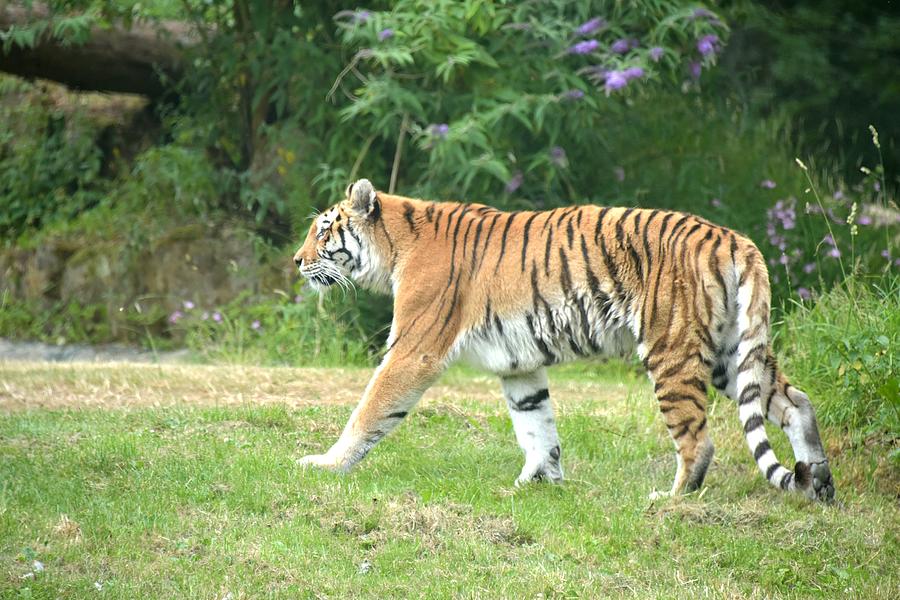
<point x="180" y="482"/>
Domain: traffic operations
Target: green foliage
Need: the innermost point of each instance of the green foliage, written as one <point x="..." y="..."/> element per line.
<point x="813" y="60"/>
<point x="49" y="162"/>
<point x="842" y="349"/>
<point x="481" y="119"/>
<point x="305" y="329"/>
<point x="74" y="322"/>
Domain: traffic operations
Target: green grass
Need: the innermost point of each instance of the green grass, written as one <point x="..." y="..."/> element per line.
<point x="191" y="494"/>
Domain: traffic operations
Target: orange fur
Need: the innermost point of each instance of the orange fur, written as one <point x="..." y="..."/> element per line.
<point x="518" y="291"/>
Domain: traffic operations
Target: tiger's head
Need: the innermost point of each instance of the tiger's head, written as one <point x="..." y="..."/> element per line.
<point x="341" y="244"/>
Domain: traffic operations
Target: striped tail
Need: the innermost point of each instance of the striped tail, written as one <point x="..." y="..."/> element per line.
<point x="750" y="367"/>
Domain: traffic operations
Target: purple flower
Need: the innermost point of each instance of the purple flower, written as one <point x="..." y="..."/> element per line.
<point x="358" y="17"/>
<point x="615" y="80"/>
<point x="585" y="47"/>
<point x="809" y="268"/>
<point x="298" y="299"/>
<point x="716" y="203"/>
<point x="864" y="220"/>
<point x="696" y="68"/>
<point x="558" y="157"/>
<point x="515" y="182"/>
<point x="589" y="27"/>
<point x="834" y="253"/>
<point x="385" y="34"/>
<point x="767" y="183"/>
<point x="175" y="316"/>
<point x="633" y="73"/>
<point x="439" y="130"/>
<point x="255" y="325"/>
<point x="886" y="254"/>
<point x="573" y="95"/>
<point x="829" y="240"/>
<point x="217" y="317"/>
<point x="188" y="305"/>
<point x="656" y="53"/>
<point x="620" y="46"/>
<point x="707" y="44"/>
<point x="783" y="259"/>
<point x="804" y="293"/>
<point x="619" y="173"/>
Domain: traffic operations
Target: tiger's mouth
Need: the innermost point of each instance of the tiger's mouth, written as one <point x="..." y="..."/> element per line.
<point x="319" y="278"/>
<point x="323" y="279"/>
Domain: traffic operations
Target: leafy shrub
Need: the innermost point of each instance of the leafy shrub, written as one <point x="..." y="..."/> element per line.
<point x="303" y="329"/>
<point x="49" y="163"/>
<point x="843" y="351"/>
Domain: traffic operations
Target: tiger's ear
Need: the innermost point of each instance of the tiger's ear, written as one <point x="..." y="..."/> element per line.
<point x="362" y="199"/>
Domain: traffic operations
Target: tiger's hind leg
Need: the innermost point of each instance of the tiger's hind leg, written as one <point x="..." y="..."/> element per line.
<point x="528" y="400"/>
<point x="680" y="387"/>
<point x="790" y="409"/>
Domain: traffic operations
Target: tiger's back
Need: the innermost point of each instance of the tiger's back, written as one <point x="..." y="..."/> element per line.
<point x="514" y="292"/>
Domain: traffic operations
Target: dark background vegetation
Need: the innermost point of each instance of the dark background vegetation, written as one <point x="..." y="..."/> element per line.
<point x="167" y="216"/>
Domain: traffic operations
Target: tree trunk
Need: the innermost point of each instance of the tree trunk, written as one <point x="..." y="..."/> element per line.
<point x="144" y="59"/>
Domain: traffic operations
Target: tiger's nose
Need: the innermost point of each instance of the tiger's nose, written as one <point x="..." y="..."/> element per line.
<point x="298" y="261"/>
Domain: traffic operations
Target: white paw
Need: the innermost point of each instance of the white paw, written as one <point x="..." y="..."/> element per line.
<point x="546" y="472"/>
<point x="322" y="461"/>
<point x="653" y="496"/>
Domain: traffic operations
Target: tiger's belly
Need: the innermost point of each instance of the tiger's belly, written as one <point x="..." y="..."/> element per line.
<point x="526" y="343"/>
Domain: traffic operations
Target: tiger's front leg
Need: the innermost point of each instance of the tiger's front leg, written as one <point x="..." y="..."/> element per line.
<point x="393" y="391"/>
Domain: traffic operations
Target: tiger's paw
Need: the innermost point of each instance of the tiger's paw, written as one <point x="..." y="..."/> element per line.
<point x="321" y="461"/>
<point x="548" y="469"/>
<point x="822" y="484"/>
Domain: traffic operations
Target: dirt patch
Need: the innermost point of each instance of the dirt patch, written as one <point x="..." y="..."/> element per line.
<point x="25" y="386"/>
<point x="89" y="385"/>
<point x="433" y="525"/>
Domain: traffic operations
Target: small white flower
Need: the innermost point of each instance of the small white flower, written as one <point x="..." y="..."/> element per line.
<point x="98" y="586"/>
<point x="38" y="566"/>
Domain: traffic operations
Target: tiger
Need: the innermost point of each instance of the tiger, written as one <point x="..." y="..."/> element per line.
<point x="516" y="292"/>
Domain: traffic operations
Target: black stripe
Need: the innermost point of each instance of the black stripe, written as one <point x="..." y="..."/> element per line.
<point x="547" y="251"/>
<point x="408" y="212"/>
<point x="761" y="449"/>
<point x="475" y="245"/>
<point x="570" y="232"/>
<point x="509" y="221"/>
<point x="397" y="415"/>
<point x="749" y="394"/>
<point x="525" y="237"/>
<point x="565" y="279"/>
<point x="786" y="480"/>
<point x="599" y="228"/>
<point x="532" y="402"/>
<point x="465" y="240"/>
<point x="754" y="422"/>
<point x="771" y="470"/>
<point x="437" y="222"/>
<point x="450" y="219"/>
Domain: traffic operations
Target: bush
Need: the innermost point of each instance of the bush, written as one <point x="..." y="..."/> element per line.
<point x="843" y="351"/>
<point x="303" y="329"/>
<point x="49" y="163"/>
